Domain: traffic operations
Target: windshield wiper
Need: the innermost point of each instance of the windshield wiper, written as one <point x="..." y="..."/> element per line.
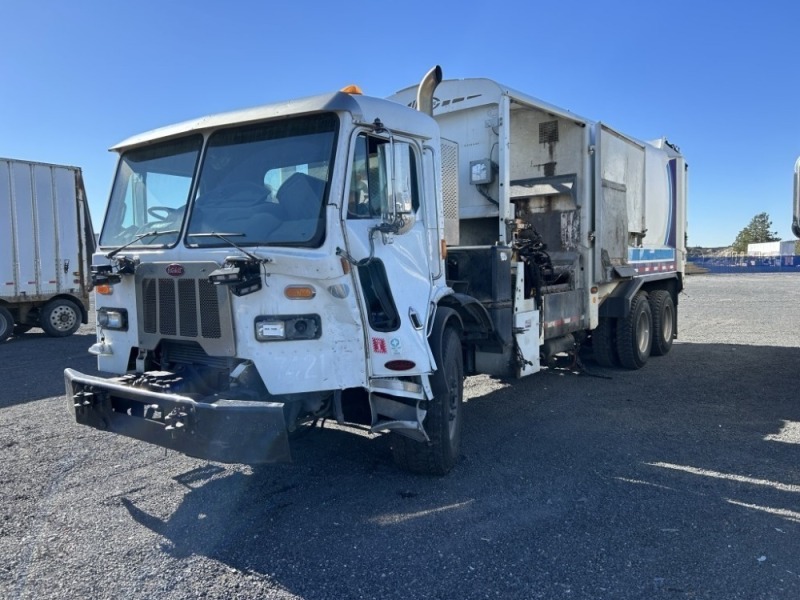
<point x="155" y="232"/>
<point x="224" y="237"/>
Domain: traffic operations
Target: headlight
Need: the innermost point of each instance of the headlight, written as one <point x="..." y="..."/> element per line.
<point x="288" y="327"/>
<point x="113" y="318"/>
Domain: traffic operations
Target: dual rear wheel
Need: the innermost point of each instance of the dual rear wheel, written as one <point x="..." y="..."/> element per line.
<point x="648" y="329"/>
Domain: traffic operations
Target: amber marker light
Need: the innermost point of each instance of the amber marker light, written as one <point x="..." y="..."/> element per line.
<point x="299" y="292"/>
<point x="352" y="89"/>
<point x="104" y="289"/>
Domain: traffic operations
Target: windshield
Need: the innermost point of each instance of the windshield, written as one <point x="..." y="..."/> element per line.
<point x="150" y="192"/>
<point x="266" y="183"/>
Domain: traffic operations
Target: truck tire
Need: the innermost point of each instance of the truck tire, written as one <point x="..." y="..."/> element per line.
<point x="6" y="324"/>
<point x="634" y="333"/>
<point x="60" y="318"/>
<point x="443" y="419"/>
<point x="604" y="343"/>
<point x="663" y="309"/>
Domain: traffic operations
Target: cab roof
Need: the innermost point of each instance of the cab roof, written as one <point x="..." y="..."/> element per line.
<point x="364" y="109"/>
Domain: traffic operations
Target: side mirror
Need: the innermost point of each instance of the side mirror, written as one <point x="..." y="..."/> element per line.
<point x="398" y="207"/>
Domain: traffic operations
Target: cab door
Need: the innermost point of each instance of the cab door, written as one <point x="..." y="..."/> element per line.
<point x="391" y="257"/>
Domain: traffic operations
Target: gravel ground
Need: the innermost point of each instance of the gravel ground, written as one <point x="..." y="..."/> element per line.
<point x="680" y="480"/>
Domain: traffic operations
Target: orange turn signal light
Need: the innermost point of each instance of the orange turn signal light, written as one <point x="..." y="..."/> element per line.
<point x="104" y="289"/>
<point x="299" y="292"/>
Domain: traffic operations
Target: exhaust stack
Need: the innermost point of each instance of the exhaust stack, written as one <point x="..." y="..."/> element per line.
<point x="796" y="219"/>
<point x="426" y="88"/>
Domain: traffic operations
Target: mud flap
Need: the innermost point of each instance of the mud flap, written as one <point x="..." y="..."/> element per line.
<point x="228" y="431"/>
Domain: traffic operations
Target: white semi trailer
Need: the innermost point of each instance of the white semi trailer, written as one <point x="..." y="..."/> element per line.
<point x="46" y="241"/>
<point x="353" y="258"/>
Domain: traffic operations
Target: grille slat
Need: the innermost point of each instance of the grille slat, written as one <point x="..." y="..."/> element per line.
<point x="209" y="309"/>
<point x="150" y="312"/>
<point x="187" y="301"/>
<point x="167" y="307"/>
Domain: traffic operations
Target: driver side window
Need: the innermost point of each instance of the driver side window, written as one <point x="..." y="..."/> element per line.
<point x="371" y="178"/>
<point x="367" y="180"/>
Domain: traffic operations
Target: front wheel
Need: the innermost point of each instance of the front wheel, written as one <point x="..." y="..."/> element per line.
<point x="60" y="318"/>
<point x="443" y="419"/>
<point x="634" y="337"/>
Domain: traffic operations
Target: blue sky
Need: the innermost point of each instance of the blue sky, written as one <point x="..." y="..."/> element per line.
<point x="720" y="80"/>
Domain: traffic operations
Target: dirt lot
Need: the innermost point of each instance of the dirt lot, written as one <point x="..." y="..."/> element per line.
<point x="681" y="480"/>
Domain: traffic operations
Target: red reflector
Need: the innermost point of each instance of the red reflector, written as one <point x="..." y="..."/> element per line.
<point x="400" y="365"/>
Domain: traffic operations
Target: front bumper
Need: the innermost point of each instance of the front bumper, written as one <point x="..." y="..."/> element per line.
<point x="229" y="431"/>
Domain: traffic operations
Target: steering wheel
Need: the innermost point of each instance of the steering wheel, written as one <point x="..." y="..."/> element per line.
<point x="169" y="213"/>
<point x="240" y="193"/>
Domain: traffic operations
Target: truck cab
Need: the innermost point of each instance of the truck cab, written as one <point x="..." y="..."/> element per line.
<point x="263" y="269"/>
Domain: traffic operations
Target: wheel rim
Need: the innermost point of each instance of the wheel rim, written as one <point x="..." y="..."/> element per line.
<point x="5" y="327"/>
<point x="643" y="332"/>
<point x="63" y="318"/>
<point x="666" y="324"/>
<point x="452" y="405"/>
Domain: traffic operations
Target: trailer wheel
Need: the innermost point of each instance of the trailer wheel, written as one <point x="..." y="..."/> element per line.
<point x="6" y="324"/>
<point x="60" y="318"/>
<point x="604" y="343"/>
<point x="663" y="309"/>
<point x="443" y="420"/>
<point x="634" y="333"/>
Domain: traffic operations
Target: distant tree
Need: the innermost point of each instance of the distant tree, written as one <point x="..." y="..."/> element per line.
<point x="759" y="230"/>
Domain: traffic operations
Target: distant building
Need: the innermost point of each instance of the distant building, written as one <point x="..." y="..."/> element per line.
<point x="771" y="249"/>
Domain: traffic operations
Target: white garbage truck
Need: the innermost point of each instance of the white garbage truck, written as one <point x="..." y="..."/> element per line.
<point x="46" y="242"/>
<point x="352" y="259"/>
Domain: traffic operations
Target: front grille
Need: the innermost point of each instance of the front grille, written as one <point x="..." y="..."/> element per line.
<point x="185" y="307"/>
<point x="170" y="307"/>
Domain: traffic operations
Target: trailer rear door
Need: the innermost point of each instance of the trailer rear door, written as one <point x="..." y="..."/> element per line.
<point x="40" y="232"/>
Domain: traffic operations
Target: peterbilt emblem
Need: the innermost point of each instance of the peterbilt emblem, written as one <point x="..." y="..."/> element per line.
<point x="175" y="270"/>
